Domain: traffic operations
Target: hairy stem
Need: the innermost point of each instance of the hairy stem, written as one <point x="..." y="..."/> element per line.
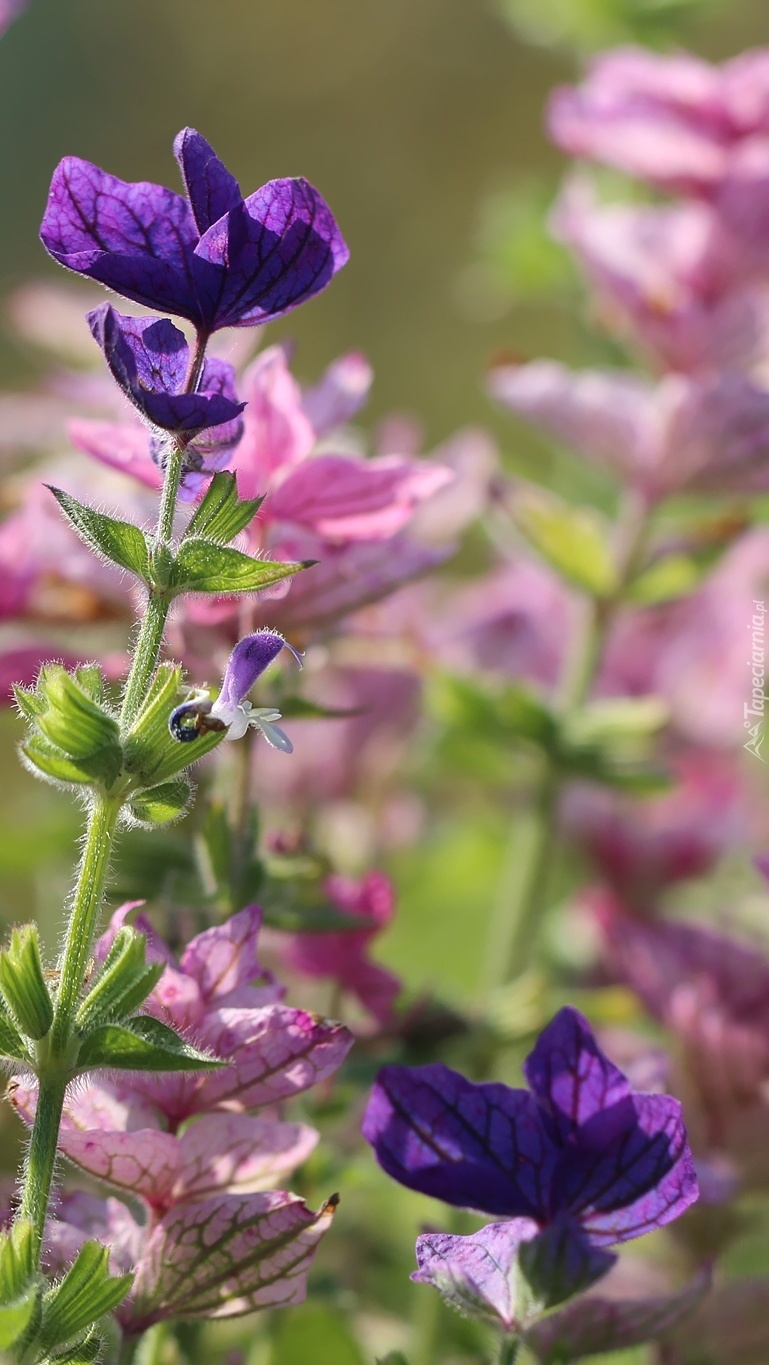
<point x="508" y="1353"/>
<point x="55" y="1059"/>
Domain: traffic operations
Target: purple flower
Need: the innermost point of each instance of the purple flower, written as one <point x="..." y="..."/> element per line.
<point x="248" y="660"/>
<point x="215" y="258"/>
<point x="580" y="1146"/>
<point x="149" y="358"/>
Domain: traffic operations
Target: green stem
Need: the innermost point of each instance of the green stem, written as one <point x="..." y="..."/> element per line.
<point x="55" y="1058"/>
<point x="523" y="885"/>
<point x="508" y="1353"/>
<point x="41" y="1155"/>
<point x="84" y="918"/>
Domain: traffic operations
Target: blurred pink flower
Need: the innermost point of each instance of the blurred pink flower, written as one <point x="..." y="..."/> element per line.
<point x="640" y="847"/>
<point x="343" y="957"/>
<point x="670" y="280"/>
<point x="673" y="120"/>
<point x="681" y="433"/>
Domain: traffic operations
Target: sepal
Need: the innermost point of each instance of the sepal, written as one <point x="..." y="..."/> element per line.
<point x="161" y="804"/>
<point x="152" y="755"/>
<point x="204" y="565"/>
<point x="141" y="1044"/>
<point x="118" y="541"/>
<point x="12" y="1043"/>
<point x="23" y="985"/>
<point x="72" y="720"/>
<point x="222" y="515"/>
<point x="84" y="1352"/>
<point x="20" y="1288"/>
<point x="86" y="1293"/>
<point x="123" y="984"/>
<point x="47" y="761"/>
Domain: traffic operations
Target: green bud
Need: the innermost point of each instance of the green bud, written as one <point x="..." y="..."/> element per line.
<point x="23" y="985"/>
<point x="123" y="984"/>
<point x="73" y="721"/>
<point x="84" y="1295"/>
<point x="162" y="566"/>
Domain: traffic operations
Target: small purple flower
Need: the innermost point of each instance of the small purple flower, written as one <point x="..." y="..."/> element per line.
<point x="579" y="1146"/>
<point x="215" y="258"/>
<point x="247" y="662"/>
<point x="149" y="358"/>
<point x="479" y="1274"/>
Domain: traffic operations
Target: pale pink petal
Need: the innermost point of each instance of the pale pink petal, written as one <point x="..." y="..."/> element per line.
<point x="340" y="394"/>
<point x="276" y="432"/>
<point x="224" y="958"/>
<point x="229" y="1255"/>
<point x="121" y="445"/>
<point x="344" y="498"/>
<point x="239" y="1154"/>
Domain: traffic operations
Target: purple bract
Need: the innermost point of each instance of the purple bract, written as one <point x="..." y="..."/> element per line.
<point x="149" y="358"/>
<point x="215" y="258"/>
<point x="580" y="1145"/>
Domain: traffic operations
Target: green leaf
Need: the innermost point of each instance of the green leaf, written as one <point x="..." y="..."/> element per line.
<point x="158" y="805"/>
<point x="497" y="715"/>
<point x="314" y="1334"/>
<point x="672" y="577"/>
<point x="90" y="678"/>
<point x="618" y="719"/>
<point x="205" y="566"/>
<point x="16" y="1316"/>
<point x="124" y="982"/>
<point x="142" y="1044"/>
<point x="119" y="541"/>
<point x="86" y="1293"/>
<point x="48" y="760"/>
<point x="17" y="1259"/>
<point x="23" y="985"/>
<point x="572" y="539"/>
<point x="221" y="515"/>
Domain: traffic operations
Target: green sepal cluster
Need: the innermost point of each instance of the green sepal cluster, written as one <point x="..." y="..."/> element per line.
<point x="222" y="515"/>
<point x="140" y="1044"/>
<point x="53" y="1325"/>
<point x="22" y="985"/>
<point x="607" y="741"/>
<point x="123" y="983"/>
<point x="152" y="757"/>
<point x="74" y="737"/>
<point x="20" y="1286"/>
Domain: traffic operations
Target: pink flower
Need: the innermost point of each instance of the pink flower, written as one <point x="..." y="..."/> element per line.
<point x="708" y="435"/>
<point x="641" y="847"/>
<point x="343" y="957"/>
<point x="668" y="279"/>
<point x="711" y="990"/>
<point x="672" y="120"/>
<point x="209" y="1183"/>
